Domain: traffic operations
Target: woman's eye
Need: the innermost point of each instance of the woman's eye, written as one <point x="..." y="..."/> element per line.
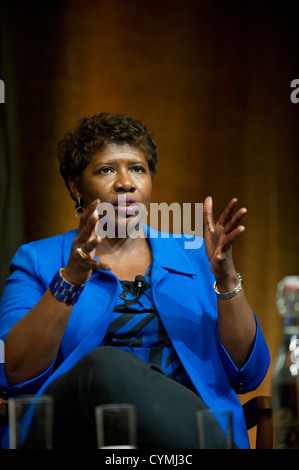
<point x="138" y="169"/>
<point x="104" y="170"/>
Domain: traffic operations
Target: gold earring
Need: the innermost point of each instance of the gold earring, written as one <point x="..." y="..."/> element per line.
<point x="79" y="208"/>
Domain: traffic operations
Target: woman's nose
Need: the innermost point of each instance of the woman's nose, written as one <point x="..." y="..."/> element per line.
<point x="124" y="182"/>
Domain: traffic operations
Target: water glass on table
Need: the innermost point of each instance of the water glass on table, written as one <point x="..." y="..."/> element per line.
<point x="116" y="426"/>
<point x="214" y="429"/>
<point x="31" y="422"/>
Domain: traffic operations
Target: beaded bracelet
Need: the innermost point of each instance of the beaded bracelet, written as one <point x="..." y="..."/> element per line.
<point x="231" y="293"/>
<point x="64" y="290"/>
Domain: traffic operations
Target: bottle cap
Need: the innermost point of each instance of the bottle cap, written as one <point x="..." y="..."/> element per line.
<point x="287" y="285"/>
<point x="291" y="282"/>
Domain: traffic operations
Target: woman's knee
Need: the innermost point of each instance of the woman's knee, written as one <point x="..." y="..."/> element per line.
<point x="105" y="374"/>
<point x="107" y="358"/>
<point x="108" y="366"/>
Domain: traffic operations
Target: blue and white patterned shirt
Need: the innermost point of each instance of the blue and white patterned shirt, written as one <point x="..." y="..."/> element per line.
<point x="136" y="327"/>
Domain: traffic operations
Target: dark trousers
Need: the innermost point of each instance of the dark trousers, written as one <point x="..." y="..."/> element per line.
<point x="165" y="409"/>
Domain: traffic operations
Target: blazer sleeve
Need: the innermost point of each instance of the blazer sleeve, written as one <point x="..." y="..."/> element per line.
<point x="23" y="289"/>
<point x="250" y="376"/>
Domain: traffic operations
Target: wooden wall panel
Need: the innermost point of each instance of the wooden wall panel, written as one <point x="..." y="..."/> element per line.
<point x="212" y="82"/>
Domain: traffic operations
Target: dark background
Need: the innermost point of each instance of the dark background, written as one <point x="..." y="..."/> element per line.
<point x="211" y="79"/>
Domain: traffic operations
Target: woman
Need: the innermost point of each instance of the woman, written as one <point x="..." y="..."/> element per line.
<point x="78" y="324"/>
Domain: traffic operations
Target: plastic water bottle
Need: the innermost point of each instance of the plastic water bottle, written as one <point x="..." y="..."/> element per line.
<point x="285" y="376"/>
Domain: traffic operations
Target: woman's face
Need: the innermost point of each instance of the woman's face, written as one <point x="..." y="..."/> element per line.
<point x="118" y="175"/>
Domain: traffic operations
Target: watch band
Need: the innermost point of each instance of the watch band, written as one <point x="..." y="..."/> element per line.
<point x="230" y="294"/>
<point x="64" y="290"/>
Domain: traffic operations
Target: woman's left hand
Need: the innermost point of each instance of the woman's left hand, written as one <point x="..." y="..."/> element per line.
<point x="220" y="236"/>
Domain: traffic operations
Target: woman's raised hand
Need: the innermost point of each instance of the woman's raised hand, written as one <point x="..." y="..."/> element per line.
<point x="82" y="259"/>
<point x="220" y="236"/>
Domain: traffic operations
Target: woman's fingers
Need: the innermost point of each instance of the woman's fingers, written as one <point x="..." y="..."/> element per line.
<point x="104" y="266"/>
<point x="85" y="255"/>
<point x="228" y="212"/>
<point x="228" y="220"/>
<point x="83" y="260"/>
<point x="208" y="214"/>
<point x="232" y="237"/>
<point x="88" y="246"/>
<point x="93" y="263"/>
<point x="220" y="237"/>
<point x="88" y="221"/>
<point x="86" y="240"/>
<point x="233" y="223"/>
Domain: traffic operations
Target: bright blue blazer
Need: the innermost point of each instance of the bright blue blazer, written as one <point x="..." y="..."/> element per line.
<point x="182" y="287"/>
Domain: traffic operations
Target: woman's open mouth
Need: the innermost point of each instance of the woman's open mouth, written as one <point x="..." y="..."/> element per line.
<point x="126" y="206"/>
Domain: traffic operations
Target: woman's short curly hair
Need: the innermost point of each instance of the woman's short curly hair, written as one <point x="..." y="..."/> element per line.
<point x="92" y="133"/>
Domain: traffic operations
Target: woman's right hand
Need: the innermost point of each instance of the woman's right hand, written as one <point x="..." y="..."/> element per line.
<point x="78" y="269"/>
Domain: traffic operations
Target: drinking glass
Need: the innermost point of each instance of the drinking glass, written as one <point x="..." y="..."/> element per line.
<point x="30" y="422"/>
<point x="214" y="429"/>
<point x="116" y="426"/>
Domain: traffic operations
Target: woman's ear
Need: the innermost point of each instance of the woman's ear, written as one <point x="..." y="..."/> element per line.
<point x="75" y="187"/>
